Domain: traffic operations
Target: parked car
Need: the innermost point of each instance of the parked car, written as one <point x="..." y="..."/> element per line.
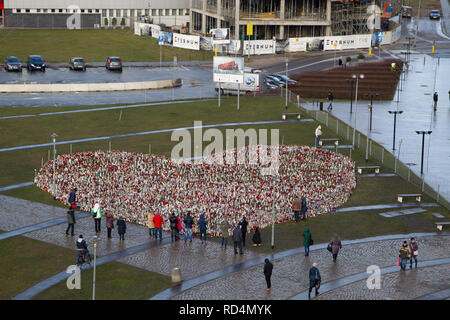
<point x="77" y="64"/>
<point x="435" y="15"/>
<point x="114" y="63"/>
<point x="13" y="64"/>
<point x="35" y="63"/>
<point x="277" y="81"/>
<point x="271" y="84"/>
<point x="283" y="78"/>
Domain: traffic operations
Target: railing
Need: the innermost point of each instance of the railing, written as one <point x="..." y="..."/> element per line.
<point x="376" y="151"/>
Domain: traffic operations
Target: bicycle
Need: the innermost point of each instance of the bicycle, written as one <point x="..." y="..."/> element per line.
<point x="84" y="258"/>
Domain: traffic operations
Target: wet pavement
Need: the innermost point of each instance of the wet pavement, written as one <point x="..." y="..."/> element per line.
<point x="417" y="103"/>
<point x="197" y="83"/>
<point x="290" y="274"/>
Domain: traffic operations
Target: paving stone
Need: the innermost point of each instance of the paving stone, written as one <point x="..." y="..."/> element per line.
<point x="438" y="215"/>
<point x="396" y="213"/>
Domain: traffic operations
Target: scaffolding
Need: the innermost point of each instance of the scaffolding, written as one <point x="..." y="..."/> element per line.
<point x="349" y="17"/>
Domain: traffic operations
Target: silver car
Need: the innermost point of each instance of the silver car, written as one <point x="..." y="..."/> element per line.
<point x="77" y="64"/>
<point x="13" y="64"/>
<point x="114" y="63"/>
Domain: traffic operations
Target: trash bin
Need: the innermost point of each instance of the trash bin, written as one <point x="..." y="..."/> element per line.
<point x="321" y="106"/>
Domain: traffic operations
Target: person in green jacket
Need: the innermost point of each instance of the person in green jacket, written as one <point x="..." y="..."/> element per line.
<point x="224" y="228"/>
<point x="306" y="240"/>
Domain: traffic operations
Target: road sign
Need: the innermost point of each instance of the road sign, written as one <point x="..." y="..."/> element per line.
<point x="249" y="28"/>
<point x="161" y="40"/>
<point x="380" y="36"/>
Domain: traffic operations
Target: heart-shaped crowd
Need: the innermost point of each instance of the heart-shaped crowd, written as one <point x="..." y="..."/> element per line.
<point x="130" y="185"/>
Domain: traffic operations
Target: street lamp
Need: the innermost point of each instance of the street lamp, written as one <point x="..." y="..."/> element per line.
<point x="371" y="95"/>
<point x="351" y="81"/>
<point x="95" y="264"/>
<point x="395" y="112"/>
<point x="423" y="133"/>
<point x="287" y="63"/>
<point x="357" y="77"/>
<point x="53" y="136"/>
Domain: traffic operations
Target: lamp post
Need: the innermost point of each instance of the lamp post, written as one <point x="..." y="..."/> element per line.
<point x="54" y="135"/>
<point x="357" y="77"/>
<point x="351" y="81"/>
<point x="286" y="105"/>
<point x="423" y="133"/>
<point x="95" y="264"/>
<point x="395" y="112"/>
<point x="370" y="106"/>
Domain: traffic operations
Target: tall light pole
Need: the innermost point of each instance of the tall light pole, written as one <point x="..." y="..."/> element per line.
<point x="371" y="96"/>
<point x="95" y="265"/>
<point x="357" y="77"/>
<point x="351" y="81"/>
<point x="54" y="135"/>
<point x="395" y="112"/>
<point x="423" y="133"/>
<point x="287" y="63"/>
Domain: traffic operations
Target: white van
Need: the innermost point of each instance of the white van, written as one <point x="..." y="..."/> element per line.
<point x="251" y="83"/>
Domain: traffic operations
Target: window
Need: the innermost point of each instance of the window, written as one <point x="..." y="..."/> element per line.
<point x="180" y="12"/>
<point x="139" y="13"/>
<point x="167" y="12"/>
<point x="97" y="10"/>
<point x="132" y="12"/>
<point x="27" y="10"/>
<point x="53" y="10"/>
<point x="147" y="12"/>
<point x="45" y="10"/>
<point x="160" y="12"/>
<point x="82" y="10"/>
<point x="111" y="12"/>
<point x="174" y="12"/>
<point x="154" y="12"/>
<point x="60" y="10"/>
<point x="118" y="13"/>
<point x="38" y="10"/>
<point x="104" y="12"/>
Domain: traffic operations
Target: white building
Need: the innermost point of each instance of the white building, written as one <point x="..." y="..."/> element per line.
<point x="93" y="13"/>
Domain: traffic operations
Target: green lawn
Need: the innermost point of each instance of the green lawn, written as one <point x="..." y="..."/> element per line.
<point x="26" y="261"/>
<point x="92" y="45"/>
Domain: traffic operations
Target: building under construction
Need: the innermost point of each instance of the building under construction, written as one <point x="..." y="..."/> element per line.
<point x="280" y="18"/>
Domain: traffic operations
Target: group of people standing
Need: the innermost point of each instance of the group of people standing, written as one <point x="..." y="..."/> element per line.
<point x="408" y="252"/>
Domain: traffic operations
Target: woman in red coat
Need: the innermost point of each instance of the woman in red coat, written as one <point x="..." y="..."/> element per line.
<point x="158" y="220"/>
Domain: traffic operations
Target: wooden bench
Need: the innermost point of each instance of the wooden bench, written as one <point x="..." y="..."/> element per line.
<point x="334" y="140"/>
<point x="439" y="225"/>
<point x="418" y="197"/>
<point x="285" y="115"/>
<point x="376" y="169"/>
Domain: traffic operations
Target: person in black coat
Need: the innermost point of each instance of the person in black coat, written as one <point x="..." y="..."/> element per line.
<point x="173" y="226"/>
<point x="314" y="279"/>
<point x="237" y="240"/>
<point x="268" y="266"/>
<point x="243" y="225"/>
<point x="121" y="228"/>
<point x="256" y="238"/>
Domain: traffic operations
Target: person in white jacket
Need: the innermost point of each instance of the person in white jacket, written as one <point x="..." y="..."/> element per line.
<point x="318" y="135"/>
<point x="97" y="215"/>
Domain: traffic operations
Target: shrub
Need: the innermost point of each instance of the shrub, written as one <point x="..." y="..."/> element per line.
<point x="114" y="21"/>
<point x="361" y="56"/>
<point x="348" y="59"/>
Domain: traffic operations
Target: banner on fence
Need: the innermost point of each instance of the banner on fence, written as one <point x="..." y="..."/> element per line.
<point x="206" y="43"/>
<point x="358" y="41"/>
<point x="259" y="47"/>
<point x="296" y="44"/>
<point x="228" y="69"/>
<point x="220" y="36"/>
<point x="165" y="38"/>
<point x="154" y="30"/>
<point x="186" y="41"/>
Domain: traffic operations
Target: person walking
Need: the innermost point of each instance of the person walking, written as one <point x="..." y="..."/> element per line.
<point x="314" y="280"/>
<point x="414" y="252"/>
<point x="121" y="228"/>
<point x="330" y="101"/>
<point x="225" y="229"/>
<point x="256" y="238"/>
<point x="340" y="62"/>
<point x="71" y="219"/>
<point x="97" y="215"/>
<point x="151" y="225"/>
<point x="158" y="221"/>
<point x="202" y="226"/>
<point x="336" y="245"/>
<point x="243" y="225"/>
<point x="173" y="226"/>
<point x="304" y="208"/>
<point x="307" y="241"/>
<point x="318" y="135"/>
<point x="435" y="99"/>
<point x="179" y="228"/>
<point x="297" y="207"/>
<point x="404" y="254"/>
<point x="109" y="224"/>
<point x="237" y="239"/>
<point x="268" y="267"/>
<point x="188" y="222"/>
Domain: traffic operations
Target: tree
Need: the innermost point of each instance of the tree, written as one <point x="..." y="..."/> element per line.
<point x="114" y="22"/>
<point x="106" y="23"/>
<point x="122" y="23"/>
